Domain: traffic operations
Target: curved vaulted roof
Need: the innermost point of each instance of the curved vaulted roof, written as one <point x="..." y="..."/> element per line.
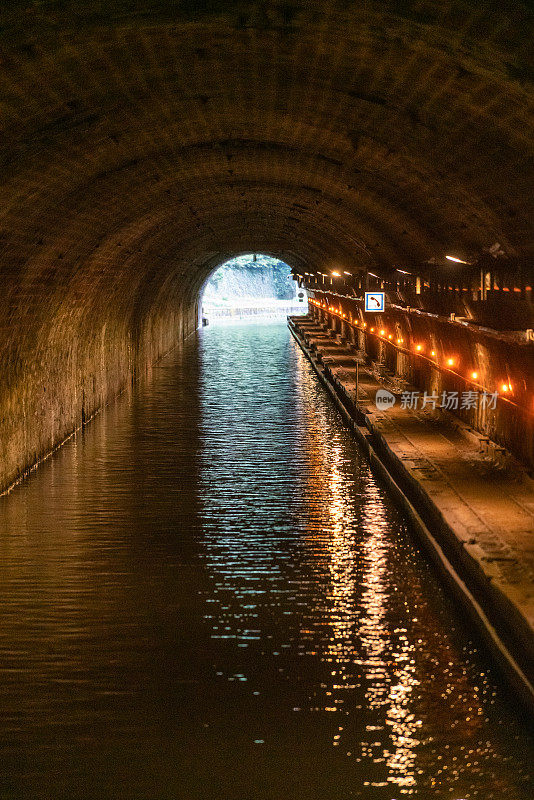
<point x="167" y="134"/>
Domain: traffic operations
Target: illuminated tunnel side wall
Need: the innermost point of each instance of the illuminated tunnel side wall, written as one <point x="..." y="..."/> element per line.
<point x="419" y="351"/>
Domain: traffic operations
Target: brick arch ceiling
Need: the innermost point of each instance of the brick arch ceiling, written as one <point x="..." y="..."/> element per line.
<point x="391" y="131"/>
<point x="144" y="141"/>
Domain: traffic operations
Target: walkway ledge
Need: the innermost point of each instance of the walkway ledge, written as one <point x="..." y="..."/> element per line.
<point x="475" y="523"/>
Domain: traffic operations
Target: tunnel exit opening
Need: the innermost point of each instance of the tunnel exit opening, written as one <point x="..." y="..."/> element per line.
<point x="252" y="287"/>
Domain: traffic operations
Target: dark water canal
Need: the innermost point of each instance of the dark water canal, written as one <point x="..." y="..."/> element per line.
<point x="208" y="596"/>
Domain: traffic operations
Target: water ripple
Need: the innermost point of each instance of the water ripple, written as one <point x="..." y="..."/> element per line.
<point x="208" y="595"/>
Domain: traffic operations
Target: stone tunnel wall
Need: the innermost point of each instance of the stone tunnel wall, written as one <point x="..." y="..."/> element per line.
<point x="418" y="352"/>
<point x="63" y="364"/>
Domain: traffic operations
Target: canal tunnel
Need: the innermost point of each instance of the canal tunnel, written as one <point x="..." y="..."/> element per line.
<point x="244" y="546"/>
<point x="144" y="145"/>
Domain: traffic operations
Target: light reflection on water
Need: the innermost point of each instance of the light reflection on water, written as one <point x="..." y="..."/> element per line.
<point x="357" y="586"/>
<point x="208" y="595"/>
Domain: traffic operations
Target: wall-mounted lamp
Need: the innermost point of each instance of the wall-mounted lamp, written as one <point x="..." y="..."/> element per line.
<point x="457" y="260"/>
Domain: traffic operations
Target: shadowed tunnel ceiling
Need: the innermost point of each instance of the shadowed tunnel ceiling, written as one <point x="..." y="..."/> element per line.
<point x="145" y="142"/>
